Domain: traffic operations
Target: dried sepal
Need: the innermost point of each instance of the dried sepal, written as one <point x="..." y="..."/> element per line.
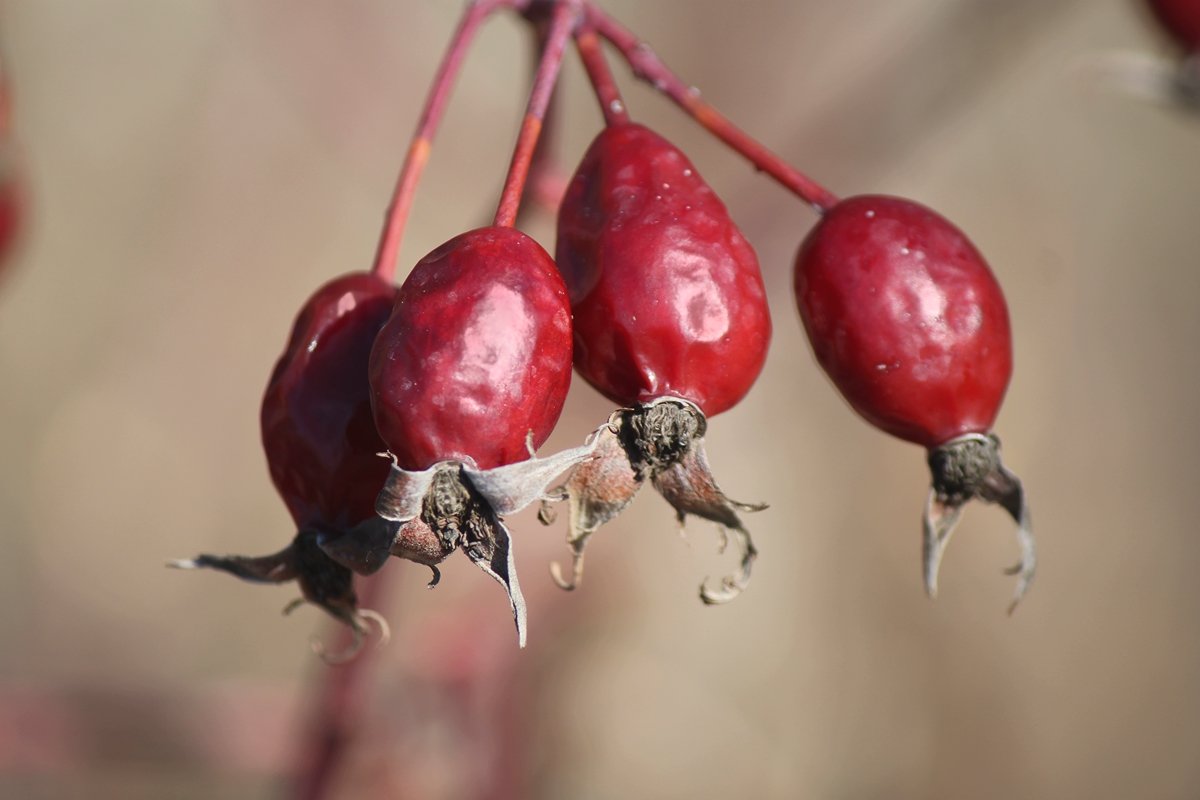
<point x="425" y="515"/>
<point x="323" y="581"/>
<point x="512" y="487"/>
<point x="596" y="492"/>
<point x="662" y="440"/>
<point x="965" y="468"/>
<point x="688" y="485"/>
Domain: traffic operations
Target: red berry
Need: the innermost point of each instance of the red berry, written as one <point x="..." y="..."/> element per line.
<point x="476" y="357"/>
<point x="667" y="294"/>
<point x="907" y="319"/>
<point x="1180" y="18"/>
<point x="909" y="323"/>
<point x="671" y="320"/>
<point x="322" y="448"/>
<point x="320" y="439"/>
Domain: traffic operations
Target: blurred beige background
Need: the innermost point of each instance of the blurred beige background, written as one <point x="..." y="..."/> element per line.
<point x="198" y="167"/>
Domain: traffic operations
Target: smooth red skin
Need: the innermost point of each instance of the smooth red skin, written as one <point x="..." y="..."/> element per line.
<point x="322" y="447"/>
<point x="667" y="293"/>
<point x="476" y="354"/>
<point x="11" y="213"/>
<point x="1181" y="18"/>
<point x="906" y="318"/>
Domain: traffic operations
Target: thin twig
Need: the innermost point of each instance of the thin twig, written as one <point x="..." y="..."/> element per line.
<point x="566" y="15"/>
<point x="388" y="251"/>
<point x="648" y="67"/>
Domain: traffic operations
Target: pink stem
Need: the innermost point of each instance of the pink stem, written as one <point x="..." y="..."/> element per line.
<point x="546" y="183"/>
<point x="566" y="14"/>
<point x="388" y="251"/>
<point x="611" y="104"/>
<point x="339" y="709"/>
<point x="647" y="66"/>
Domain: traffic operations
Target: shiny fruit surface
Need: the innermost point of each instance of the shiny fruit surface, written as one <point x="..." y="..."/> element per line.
<point x="476" y="357"/>
<point x="667" y="293"/>
<point x="906" y="318"/>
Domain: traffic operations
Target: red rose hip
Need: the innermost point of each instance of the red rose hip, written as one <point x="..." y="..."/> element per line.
<point x="671" y="322"/>
<point x="667" y="293"/>
<point x="476" y="356"/>
<point x="468" y="376"/>
<point x="321" y="445"/>
<point x="908" y="321"/>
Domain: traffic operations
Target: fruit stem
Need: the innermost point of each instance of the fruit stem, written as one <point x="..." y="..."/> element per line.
<point x="647" y="66"/>
<point x="566" y="14"/>
<point x="546" y="184"/>
<point x="388" y="251"/>
<point x="611" y="104"/>
<point x="338" y="712"/>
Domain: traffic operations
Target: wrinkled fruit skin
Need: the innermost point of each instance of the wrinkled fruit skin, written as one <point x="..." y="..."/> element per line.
<point x="320" y="439"/>
<point x="667" y="293"/>
<point x="1180" y="18"/>
<point x="476" y="356"/>
<point x="906" y="318"/>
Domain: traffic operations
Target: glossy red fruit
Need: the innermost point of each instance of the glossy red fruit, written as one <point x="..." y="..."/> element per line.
<point x="667" y="293"/>
<point x="906" y="318"/>
<point x="320" y="439"/>
<point x="909" y="323"/>
<point x="476" y="357"/>
<point x="671" y="322"/>
<point x="322" y="448"/>
<point x="1180" y="18"/>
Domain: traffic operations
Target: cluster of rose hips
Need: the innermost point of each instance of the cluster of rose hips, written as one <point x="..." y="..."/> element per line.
<point x="655" y="298"/>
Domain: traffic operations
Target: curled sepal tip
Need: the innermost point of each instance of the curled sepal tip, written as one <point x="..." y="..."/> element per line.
<point x="359" y="631"/>
<point x="662" y="440"/>
<point x="690" y="488"/>
<point x="964" y="468"/>
<point x="426" y="515"/>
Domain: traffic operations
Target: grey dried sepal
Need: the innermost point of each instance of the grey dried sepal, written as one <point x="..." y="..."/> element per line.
<point x="689" y="486"/>
<point x="512" y="487"/>
<point x="403" y="493"/>
<point x="489" y="545"/>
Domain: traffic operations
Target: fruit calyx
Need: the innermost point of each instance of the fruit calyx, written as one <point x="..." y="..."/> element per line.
<point x="662" y="440"/>
<point x="964" y="468"/>
<point x="428" y="514"/>
<point x="322" y="582"/>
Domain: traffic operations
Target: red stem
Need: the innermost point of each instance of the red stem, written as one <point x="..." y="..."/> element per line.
<point x="338" y="713"/>
<point x="611" y="104"/>
<point x="546" y="184"/>
<point x="647" y="66"/>
<point x="566" y="14"/>
<point x="388" y="251"/>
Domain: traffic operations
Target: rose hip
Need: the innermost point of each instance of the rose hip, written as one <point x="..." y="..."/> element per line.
<point x="909" y="323"/>
<point x="321" y="444"/>
<point x="476" y="356"/>
<point x="671" y="321"/>
<point x="468" y="376"/>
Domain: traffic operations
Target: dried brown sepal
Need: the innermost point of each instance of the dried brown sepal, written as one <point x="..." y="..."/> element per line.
<point x="689" y="486"/>
<point x="965" y="468"/>
<point x="664" y="441"/>
<point x="322" y="581"/>
<point x="596" y="492"/>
